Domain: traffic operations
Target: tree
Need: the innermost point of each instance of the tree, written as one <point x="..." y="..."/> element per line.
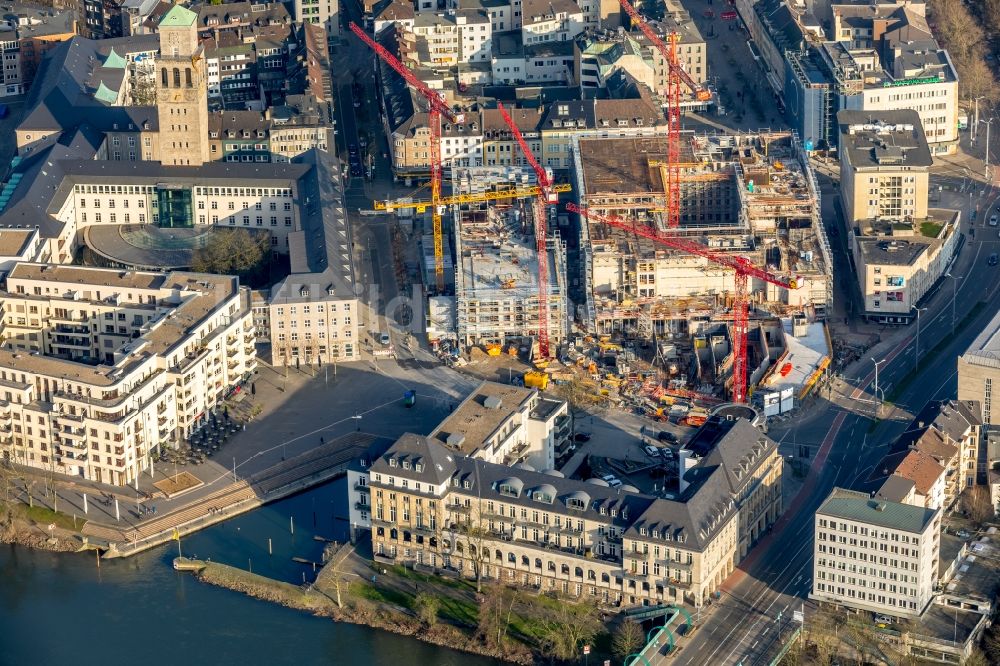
<point x="628" y="639"/>
<point x="426" y="606"/>
<point x="568" y="629"/>
<point x="232" y="252"/>
<point x="991" y="16"/>
<point x="976" y="78"/>
<point x="991" y="644"/>
<point x="977" y="658"/>
<point x="494" y="614"/>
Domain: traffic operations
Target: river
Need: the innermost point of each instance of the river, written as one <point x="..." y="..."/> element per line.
<point x="64" y="609"/>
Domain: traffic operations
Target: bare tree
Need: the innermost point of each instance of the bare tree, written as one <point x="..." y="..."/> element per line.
<point x="629" y="637"/>
<point x="568" y="629"/>
<point x="495" y="612"/>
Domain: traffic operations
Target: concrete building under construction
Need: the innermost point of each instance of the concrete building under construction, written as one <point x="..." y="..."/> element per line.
<point x="752" y="195"/>
<point x="496" y="273"/>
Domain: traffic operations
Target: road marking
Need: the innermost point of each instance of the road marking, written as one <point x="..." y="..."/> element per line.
<point x="756" y="600"/>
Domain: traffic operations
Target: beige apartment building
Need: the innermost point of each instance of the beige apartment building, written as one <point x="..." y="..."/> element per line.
<point x="884" y="161"/>
<point x="876" y="556"/>
<point x="102" y="369"/>
<point x="436" y="510"/>
<point x="901" y="247"/>
<point x="979" y="371"/>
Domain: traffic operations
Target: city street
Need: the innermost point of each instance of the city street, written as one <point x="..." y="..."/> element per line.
<point x="844" y="448"/>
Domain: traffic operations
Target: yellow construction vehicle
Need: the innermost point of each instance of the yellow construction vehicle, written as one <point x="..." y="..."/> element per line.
<point x="538" y="380"/>
<point x="493" y="348"/>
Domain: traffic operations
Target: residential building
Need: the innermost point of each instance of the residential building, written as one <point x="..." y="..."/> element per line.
<point x="550" y="21"/>
<point x="136" y="15"/>
<point x="437" y="509"/>
<point x="277" y="135"/>
<point x="17" y="245"/>
<point x="447" y="39"/>
<point x="324" y="13"/>
<point x="506" y="425"/>
<point x="515" y="63"/>
<point x="979" y="371"/>
<point x="101" y="19"/>
<point x="874" y="555"/>
<point x="103" y="369"/>
<point x="884" y="162"/>
<point x="926" y="477"/>
<point x="901" y="247"/>
<point x="30" y="32"/>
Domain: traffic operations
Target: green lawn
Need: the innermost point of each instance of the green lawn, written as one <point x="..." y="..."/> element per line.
<point x="930" y="229"/>
<point x="44" y="516"/>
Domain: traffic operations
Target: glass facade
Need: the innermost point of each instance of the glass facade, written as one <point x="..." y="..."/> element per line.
<point x="175" y="207"/>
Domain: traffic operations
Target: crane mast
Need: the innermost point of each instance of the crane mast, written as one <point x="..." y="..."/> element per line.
<point x="437" y="108"/>
<point x="545" y="197"/>
<point x="743" y="267"/>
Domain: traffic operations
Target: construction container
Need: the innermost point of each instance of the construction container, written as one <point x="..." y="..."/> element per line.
<point x="538" y="380"/>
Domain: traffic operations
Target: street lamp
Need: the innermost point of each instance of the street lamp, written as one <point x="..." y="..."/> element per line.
<point x="954" y="289"/>
<point x="878" y="400"/>
<point x="916" y="352"/>
<point x="986" y="157"/>
<point x="975" y="126"/>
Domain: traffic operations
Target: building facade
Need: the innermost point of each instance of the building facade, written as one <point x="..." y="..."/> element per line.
<point x="102" y="369"/>
<point x="436" y="510"/>
<point x="875" y="556"/>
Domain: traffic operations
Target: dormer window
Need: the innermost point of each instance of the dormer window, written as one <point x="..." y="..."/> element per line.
<point x="392" y="462"/>
<point x="642" y="531"/>
<point x="406" y="464"/>
<point x="614" y="513"/>
<point x="419" y="467"/>
<point x="466" y="484"/>
<point x="509" y="490"/>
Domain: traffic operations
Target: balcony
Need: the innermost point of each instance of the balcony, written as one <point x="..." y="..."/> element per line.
<point x="362" y="487"/>
<point x="362" y="506"/>
<point x="232" y="363"/>
<point x="249" y="351"/>
<point x="65" y="329"/>
<point x="62" y="341"/>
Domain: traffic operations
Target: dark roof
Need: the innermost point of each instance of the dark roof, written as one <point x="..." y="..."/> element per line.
<point x="891" y="251"/>
<point x="426" y="461"/>
<point x="893" y="139"/>
<point x="895" y="489"/>
<point x="41" y="177"/>
<point x="62" y="95"/>
<point x="320" y="250"/>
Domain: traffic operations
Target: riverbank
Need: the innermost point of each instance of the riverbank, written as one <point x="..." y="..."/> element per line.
<point x="30" y="527"/>
<point x="359" y="605"/>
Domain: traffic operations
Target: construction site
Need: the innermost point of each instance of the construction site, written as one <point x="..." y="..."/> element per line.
<point x="748" y="241"/>
<point x="496" y="293"/>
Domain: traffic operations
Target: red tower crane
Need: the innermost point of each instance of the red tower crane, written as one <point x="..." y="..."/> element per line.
<point x="743" y="268"/>
<point x="437" y="107"/>
<point x="545" y="197"/>
<point x="675" y="74"/>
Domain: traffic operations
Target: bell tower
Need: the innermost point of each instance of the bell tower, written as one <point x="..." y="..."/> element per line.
<point x="181" y="90"/>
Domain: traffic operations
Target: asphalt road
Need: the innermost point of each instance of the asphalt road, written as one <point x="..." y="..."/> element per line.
<point x="844" y="448"/>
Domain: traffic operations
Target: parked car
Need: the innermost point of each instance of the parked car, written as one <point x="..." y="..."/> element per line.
<point x="615" y="483"/>
<point x="609" y="477"/>
<point x="992" y="261"/>
<point x="665" y="436"/>
<point x="581" y="437"/>
<point x="993" y="220"/>
<point x="883" y="621"/>
<point x="651" y="451"/>
<point x="383" y="339"/>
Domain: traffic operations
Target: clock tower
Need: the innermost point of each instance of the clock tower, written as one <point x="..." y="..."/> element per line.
<point x="181" y="90"/>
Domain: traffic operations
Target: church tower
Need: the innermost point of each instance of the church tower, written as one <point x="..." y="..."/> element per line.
<point x="182" y="90"/>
